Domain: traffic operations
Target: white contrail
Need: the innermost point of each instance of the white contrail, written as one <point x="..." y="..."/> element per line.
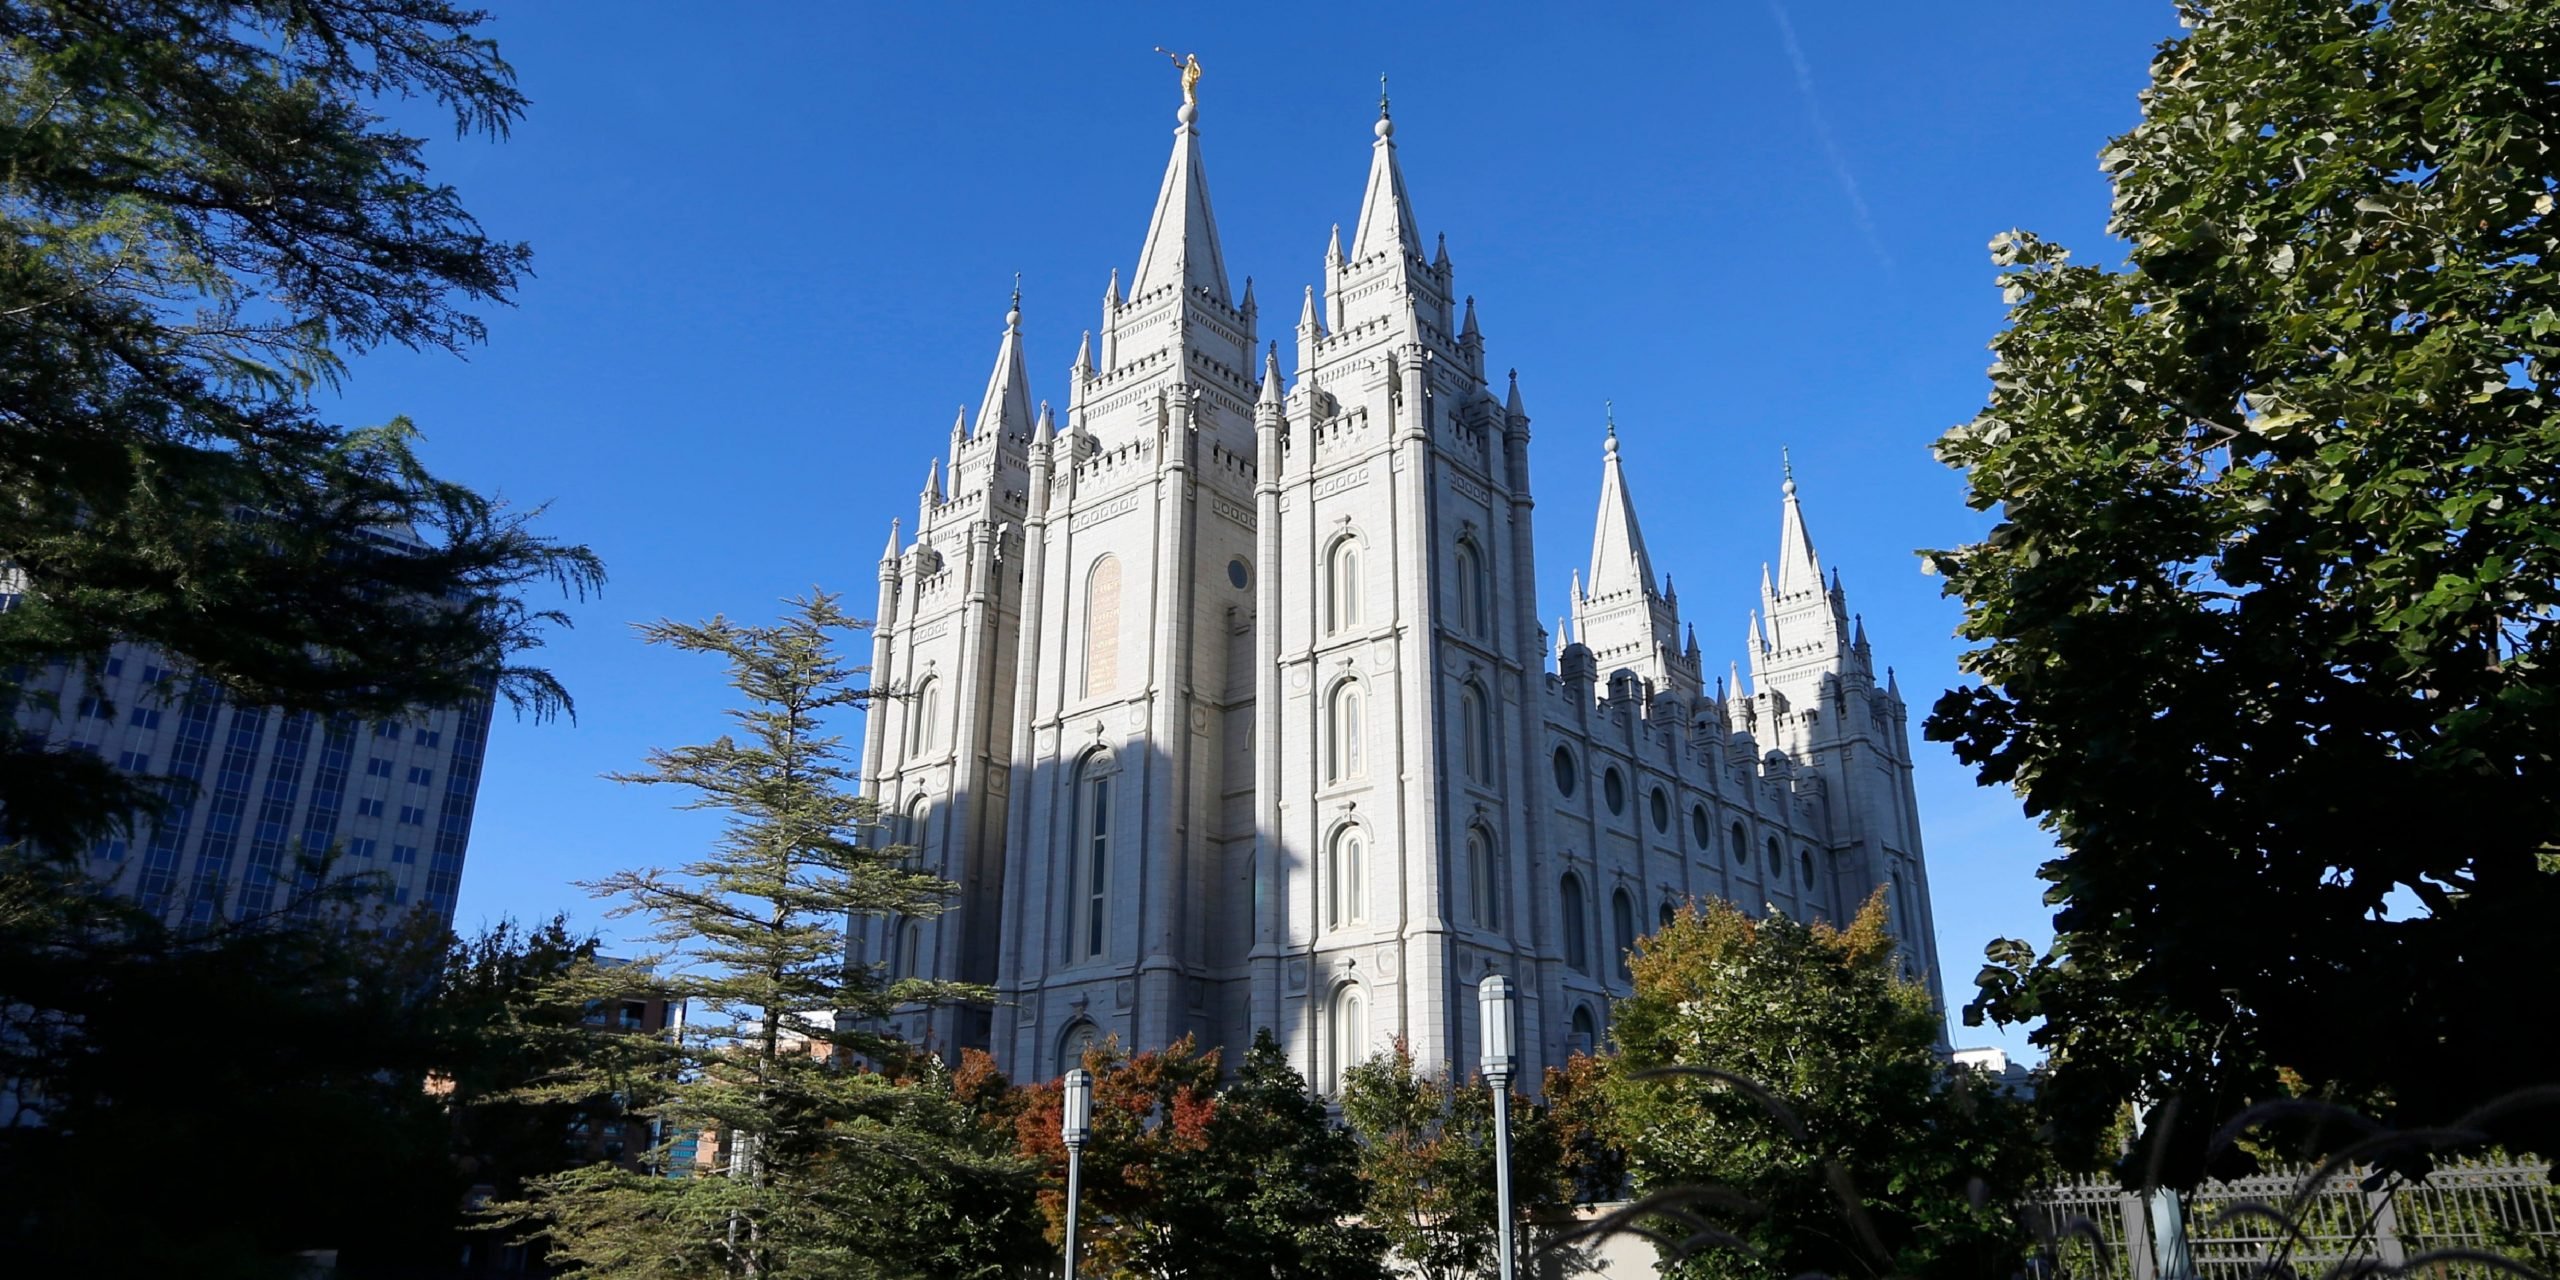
<point x="1822" y="134"/>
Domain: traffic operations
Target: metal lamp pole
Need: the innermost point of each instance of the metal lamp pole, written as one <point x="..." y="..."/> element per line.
<point x="1493" y="1009"/>
<point x="1075" y="1127"/>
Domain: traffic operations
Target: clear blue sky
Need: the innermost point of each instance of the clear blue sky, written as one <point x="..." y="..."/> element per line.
<point x="773" y="255"/>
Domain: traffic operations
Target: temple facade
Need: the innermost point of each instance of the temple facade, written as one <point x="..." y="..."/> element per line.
<point x="1223" y="695"/>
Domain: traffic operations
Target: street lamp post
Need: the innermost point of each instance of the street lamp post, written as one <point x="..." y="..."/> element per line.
<point x="1076" y="1126"/>
<point x="1493" y="1009"/>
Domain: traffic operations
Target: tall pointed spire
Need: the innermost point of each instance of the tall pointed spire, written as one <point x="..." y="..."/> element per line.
<point x="1182" y="237"/>
<point x="1006" y="408"/>
<point x="1271" y="376"/>
<point x="1386" y="215"/>
<point x="1618" y="560"/>
<point x="1799" y="569"/>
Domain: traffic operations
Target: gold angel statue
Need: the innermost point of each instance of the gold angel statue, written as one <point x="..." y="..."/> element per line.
<point x="1189" y="65"/>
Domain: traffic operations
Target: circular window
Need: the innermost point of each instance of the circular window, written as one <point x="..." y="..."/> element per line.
<point x="1808" y="866"/>
<point x="1661" y="810"/>
<point x="1565" y="771"/>
<point x="1238" y="574"/>
<point x="1614" y="788"/>
<point x="1777" y="860"/>
<point x="1741" y="846"/>
<point x="1700" y="830"/>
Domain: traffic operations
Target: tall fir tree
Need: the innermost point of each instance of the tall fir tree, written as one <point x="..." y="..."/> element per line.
<point x="784" y="1075"/>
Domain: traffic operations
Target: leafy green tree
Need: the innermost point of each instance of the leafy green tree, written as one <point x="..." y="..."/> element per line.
<point x="1427" y="1147"/>
<point x="1788" y="1072"/>
<point x="2266" y="621"/>
<point x="782" y="1067"/>
<point x="937" y="1191"/>
<point x="201" y="218"/>
<point x="1252" y="1182"/>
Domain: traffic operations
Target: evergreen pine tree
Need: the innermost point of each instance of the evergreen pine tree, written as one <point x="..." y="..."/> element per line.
<point x="783" y="1077"/>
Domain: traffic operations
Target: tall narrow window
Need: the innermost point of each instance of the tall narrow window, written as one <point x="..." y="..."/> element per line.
<point x="1471" y="601"/>
<point x="1102" y="628"/>
<point x="1350" y="1038"/>
<point x="918" y="837"/>
<point x="910" y="962"/>
<point x="1343" y="587"/>
<point x="1344" y="733"/>
<point x="1346" y="878"/>
<point x="1089" y="859"/>
<point x="1622" y="912"/>
<point x="1586" y="1032"/>
<point x="1485" y="878"/>
<point x="1475" y="734"/>
<point x="1577" y="939"/>
<point x="927" y="709"/>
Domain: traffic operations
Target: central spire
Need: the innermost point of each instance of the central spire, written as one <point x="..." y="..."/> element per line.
<point x="1182" y="238"/>
<point x="1618" y="561"/>
<point x="1799" y="569"/>
<point x="1386" y="216"/>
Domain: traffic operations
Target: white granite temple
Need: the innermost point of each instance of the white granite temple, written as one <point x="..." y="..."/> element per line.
<point x="1223" y="695"/>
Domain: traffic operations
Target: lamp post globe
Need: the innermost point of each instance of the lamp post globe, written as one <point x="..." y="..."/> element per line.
<point x="1075" y="1126"/>
<point x="1493" y="1023"/>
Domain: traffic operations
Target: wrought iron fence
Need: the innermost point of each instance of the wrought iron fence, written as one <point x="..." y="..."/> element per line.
<point x="2269" y="1226"/>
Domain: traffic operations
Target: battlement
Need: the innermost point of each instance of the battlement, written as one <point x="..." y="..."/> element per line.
<point x="1107" y="462"/>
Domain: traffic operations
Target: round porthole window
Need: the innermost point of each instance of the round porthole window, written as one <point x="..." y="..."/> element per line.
<point x="1661" y="810"/>
<point x="1565" y="771"/>
<point x="1614" y="787"/>
<point x="1239" y="574"/>
<point x="1700" y="829"/>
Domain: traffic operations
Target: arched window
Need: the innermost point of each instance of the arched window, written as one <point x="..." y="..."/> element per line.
<point x="1475" y="734"/>
<point x="1344" y="733"/>
<point x="1343" y="587"/>
<point x="918" y="835"/>
<point x="1586" y="1031"/>
<point x="1566" y="771"/>
<point x="1485" y="877"/>
<point x="926" y="709"/>
<point x="1777" y="860"/>
<point x="1102" y="628"/>
<point x="1622" y="912"/>
<point x="1089" y="859"/>
<point x="1350" y="1036"/>
<point x="911" y="950"/>
<point x="1346" y="873"/>
<point x="1741" y="847"/>
<point x="1669" y="914"/>
<point x="1577" y="939"/>
<point x="1471" y="588"/>
<point x="1079" y="1037"/>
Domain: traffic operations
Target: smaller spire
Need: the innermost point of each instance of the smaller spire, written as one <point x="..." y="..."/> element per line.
<point x="1084" y="354"/>
<point x="892" y="552"/>
<point x="1753" y="639"/>
<point x="1247" y="306"/>
<point x="1048" y="428"/>
<point x="1111" y="291"/>
<point x="1577" y="586"/>
<point x="1333" y="250"/>
<point x="1512" y="403"/>
<point x="960" y="425"/>
<point x="1559" y="639"/>
<point x="1734" y="670"/>
<point x="1271" y="376"/>
<point x="1693" y="642"/>
<point x="933" y="480"/>
<point x="1858" y="628"/>
<point x="1307" y="314"/>
<point x="1440" y="255"/>
<point x="1468" y="329"/>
